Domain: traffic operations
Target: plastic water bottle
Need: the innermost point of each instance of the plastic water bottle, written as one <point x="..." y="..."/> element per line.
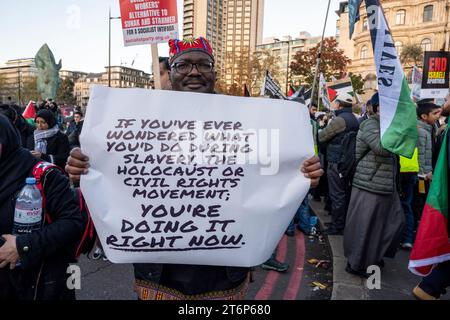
<point x="28" y="210"/>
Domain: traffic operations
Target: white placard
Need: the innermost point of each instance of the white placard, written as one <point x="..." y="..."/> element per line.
<point x="193" y="178"/>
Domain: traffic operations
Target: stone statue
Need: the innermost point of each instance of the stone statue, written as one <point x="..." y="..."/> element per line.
<point x="48" y="73"/>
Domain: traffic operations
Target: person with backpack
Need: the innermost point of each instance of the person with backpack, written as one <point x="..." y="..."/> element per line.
<point x="34" y="265"/>
<point x="343" y="127"/>
<point x="375" y="217"/>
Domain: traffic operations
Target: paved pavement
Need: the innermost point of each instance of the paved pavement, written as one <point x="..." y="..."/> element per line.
<point x="102" y="280"/>
<point x="396" y="281"/>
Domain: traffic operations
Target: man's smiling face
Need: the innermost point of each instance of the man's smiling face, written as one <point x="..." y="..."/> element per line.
<point x="194" y="80"/>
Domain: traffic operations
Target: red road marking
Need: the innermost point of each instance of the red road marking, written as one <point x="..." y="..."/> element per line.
<point x="297" y="275"/>
<point x="272" y="276"/>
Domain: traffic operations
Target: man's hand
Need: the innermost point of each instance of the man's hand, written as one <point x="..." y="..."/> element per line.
<point x="429" y="176"/>
<point x="77" y="164"/>
<point x="36" y="154"/>
<point x="8" y="252"/>
<point x="312" y="170"/>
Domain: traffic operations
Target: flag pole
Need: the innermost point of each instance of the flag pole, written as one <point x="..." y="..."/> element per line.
<point x="319" y="54"/>
<point x="155" y="63"/>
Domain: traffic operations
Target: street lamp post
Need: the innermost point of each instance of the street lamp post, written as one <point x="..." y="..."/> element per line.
<point x="287" y="66"/>
<point x="109" y="47"/>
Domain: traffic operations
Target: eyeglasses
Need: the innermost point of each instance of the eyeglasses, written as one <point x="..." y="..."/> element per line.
<point x="187" y="67"/>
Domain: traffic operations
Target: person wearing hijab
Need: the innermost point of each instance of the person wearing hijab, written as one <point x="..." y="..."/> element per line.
<point x="44" y="254"/>
<point x="48" y="143"/>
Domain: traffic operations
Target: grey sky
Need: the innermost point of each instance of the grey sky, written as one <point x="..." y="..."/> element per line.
<point x="77" y="30"/>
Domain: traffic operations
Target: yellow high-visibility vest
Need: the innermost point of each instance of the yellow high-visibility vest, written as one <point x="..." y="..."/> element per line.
<point x="410" y="165"/>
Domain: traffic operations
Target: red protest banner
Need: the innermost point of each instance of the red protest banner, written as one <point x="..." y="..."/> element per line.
<point x="148" y="21"/>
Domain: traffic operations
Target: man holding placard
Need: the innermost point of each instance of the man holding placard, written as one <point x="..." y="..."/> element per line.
<point x="192" y="70"/>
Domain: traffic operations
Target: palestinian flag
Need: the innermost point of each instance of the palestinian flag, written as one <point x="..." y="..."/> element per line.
<point x="30" y="112"/>
<point x="291" y="91"/>
<point x="398" y="119"/>
<point x="432" y="245"/>
<point x="340" y="86"/>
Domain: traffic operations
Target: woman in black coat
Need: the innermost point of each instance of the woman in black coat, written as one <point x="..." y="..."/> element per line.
<point x="44" y="254"/>
<point x="25" y="129"/>
<point x="48" y="143"/>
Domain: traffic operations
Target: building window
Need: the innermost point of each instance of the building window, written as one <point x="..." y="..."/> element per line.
<point x="399" y="47"/>
<point x="400" y="17"/>
<point x="365" y="25"/>
<point x="428" y="13"/>
<point x="426" y="44"/>
<point x="364" y="52"/>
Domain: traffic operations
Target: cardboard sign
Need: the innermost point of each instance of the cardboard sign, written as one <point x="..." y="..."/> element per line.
<point x="193" y="178"/>
<point x="148" y="21"/>
<point x="435" y="79"/>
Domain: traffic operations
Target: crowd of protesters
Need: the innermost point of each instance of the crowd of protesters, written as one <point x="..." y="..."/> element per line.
<point x="374" y="197"/>
<point x="377" y="206"/>
<point x="48" y="136"/>
<point x="43" y="254"/>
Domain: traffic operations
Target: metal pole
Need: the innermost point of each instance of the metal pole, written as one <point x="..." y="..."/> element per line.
<point x="109" y="50"/>
<point x="320" y="53"/>
<point x="109" y="47"/>
<point x="155" y="63"/>
<point x="287" y="68"/>
<point x="19" y="80"/>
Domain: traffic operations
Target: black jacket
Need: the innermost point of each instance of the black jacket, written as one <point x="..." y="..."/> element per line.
<point x="58" y="149"/>
<point x="48" y="251"/>
<point x="73" y="133"/>
<point x="52" y="247"/>
<point x="345" y="121"/>
<point x="25" y="129"/>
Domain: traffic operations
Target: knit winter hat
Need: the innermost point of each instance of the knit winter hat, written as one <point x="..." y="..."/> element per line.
<point x="179" y="47"/>
<point x="48" y="116"/>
